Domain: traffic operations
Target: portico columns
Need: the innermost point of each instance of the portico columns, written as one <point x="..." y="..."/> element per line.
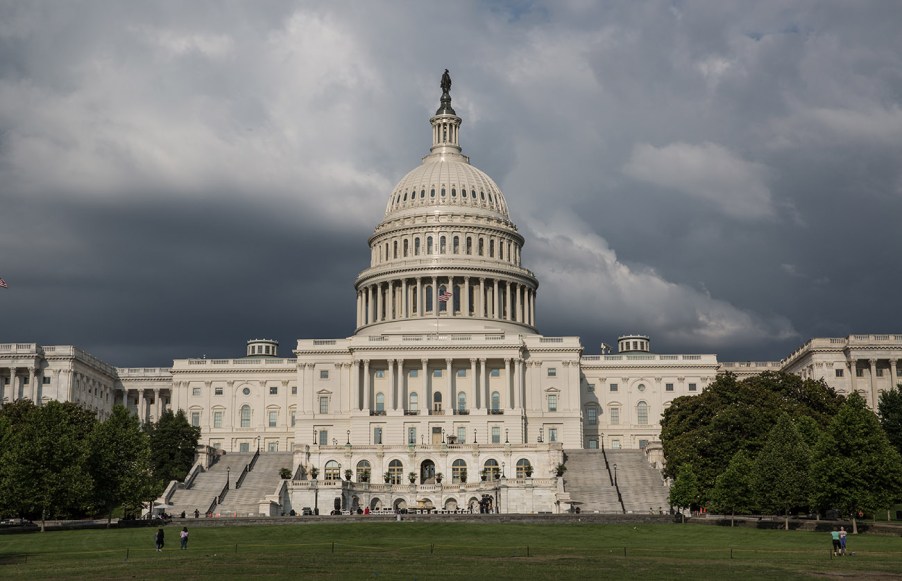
<point x="892" y="373"/>
<point x="366" y="385"/>
<point x="33" y="385"/>
<point x="404" y="299"/>
<point x="450" y="382"/>
<point x="391" y="381"/>
<point x="142" y="415"/>
<point x="509" y="385"/>
<point x="495" y="300"/>
<point x="507" y="301"/>
<point x="482" y="301"/>
<point x="355" y="382"/>
<point x="421" y="303"/>
<point x="873" y="372"/>
<point x="475" y="403"/>
<point x="465" y="302"/>
<point x="427" y="386"/>
<point x="485" y="382"/>
<point x="518" y="383"/>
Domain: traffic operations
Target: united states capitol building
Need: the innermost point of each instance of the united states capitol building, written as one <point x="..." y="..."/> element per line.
<point x="445" y="396"/>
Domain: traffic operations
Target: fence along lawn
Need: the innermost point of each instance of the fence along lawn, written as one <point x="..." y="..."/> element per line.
<point x="408" y="550"/>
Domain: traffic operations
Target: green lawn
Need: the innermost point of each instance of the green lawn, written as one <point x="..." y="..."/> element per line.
<point x="410" y="550"/>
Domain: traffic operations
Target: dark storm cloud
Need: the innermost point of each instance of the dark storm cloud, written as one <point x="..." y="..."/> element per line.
<point x="176" y="179"/>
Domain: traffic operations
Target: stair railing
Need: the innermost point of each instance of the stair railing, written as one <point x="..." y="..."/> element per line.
<point x="253" y="461"/>
<point x="240" y="480"/>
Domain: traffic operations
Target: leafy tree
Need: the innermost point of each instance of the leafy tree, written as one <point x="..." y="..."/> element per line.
<point x="120" y="462"/>
<point x="684" y="492"/>
<point x="889" y="407"/>
<point x="781" y="470"/>
<point x="855" y="467"/>
<point x="173" y="443"/>
<point x="46" y="465"/>
<point x="733" y="490"/>
<point x="730" y="415"/>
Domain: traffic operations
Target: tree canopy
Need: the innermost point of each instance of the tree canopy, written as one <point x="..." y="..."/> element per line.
<point x="889" y="408"/>
<point x="173" y="443"/>
<point x="781" y="470"/>
<point x="730" y="415"/>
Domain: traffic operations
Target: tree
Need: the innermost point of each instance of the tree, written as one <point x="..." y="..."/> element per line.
<point x="733" y="489"/>
<point x="855" y="468"/>
<point x="684" y="492"/>
<point x="173" y="444"/>
<point x="730" y="415"/>
<point x="46" y="470"/>
<point x="782" y="468"/>
<point x="889" y="408"/>
<point x="120" y="462"/>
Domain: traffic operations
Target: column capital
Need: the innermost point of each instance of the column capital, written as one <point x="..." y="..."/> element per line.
<point x="424" y="361"/>
<point x="473" y="360"/>
<point x="448" y="360"/>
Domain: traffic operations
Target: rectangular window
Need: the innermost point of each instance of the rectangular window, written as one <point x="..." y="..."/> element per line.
<point x="216" y="444"/>
<point x="668" y="387"/>
<point x="642" y="414"/>
<point x="411" y="436"/>
<point x="879" y="372"/>
<point x="293" y="419"/>
<point x="273" y="417"/>
<point x="461" y="435"/>
<point x="46" y="380"/>
<point x="593" y="444"/>
<point x="217" y="391"/>
<point x="323" y="437"/>
<point x="380" y="373"/>
<point x="552" y="434"/>
<point x="899" y="371"/>
<point x="294" y="390"/>
<point x="838" y="372"/>
<point x="324" y="374"/>
<point x="272" y="446"/>
<point x="324" y="404"/>
<point x="496" y="435"/>
<point x="273" y="390"/>
<point x="552" y="372"/>
<point x="859" y="372"/>
<point x="217" y="419"/>
<point x="615" y="444"/>
<point x="436" y="373"/>
<point x="692" y="387"/>
<point x="552" y="403"/>
<point x="613" y="387"/>
<point x="495" y="373"/>
<point x="615" y="415"/>
<point x="377" y="435"/>
<point x="461" y="373"/>
<point x="195" y="391"/>
<point x="195" y="419"/>
<point x="643" y="444"/>
<point x="592" y="415"/>
<point x="414" y="372"/>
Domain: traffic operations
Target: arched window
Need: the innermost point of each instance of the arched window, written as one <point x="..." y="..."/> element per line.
<point x="332" y="471"/>
<point x="432" y="193"/>
<point x="492" y="248"/>
<point x="496" y="401"/>
<point x="459" y="471"/>
<point x="501" y="250"/>
<point x="416" y="246"/>
<point x="443" y="192"/>
<point x="490" y="198"/>
<point x="482" y="195"/>
<point x="491" y="470"/>
<point x="363" y="471"/>
<point x="461" y="401"/>
<point x="429" y="245"/>
<point x="453" y="193"/>
<point x="481" y="247"/>
<point x="406" y="247"/>
<point x="395" y="472"/>
<point x="405" y="196"/>
<point x="245" y="416"/>
<point x="443" y="304"/>
<point x="380" y="402"/>
<point x="473" y="194"/>
<point x="524" y="468"/>
<point x="414" y="402"/>
<point x="395" y="249"/>
<point x="442" y="245"/>
<point x="422" y="194"/>
<point x="456" y="249"/>
<point x="642" y="413"/>
<point x="437" y="401"/>
<point x="469" y="245"/>
<point x="427" y="292"/>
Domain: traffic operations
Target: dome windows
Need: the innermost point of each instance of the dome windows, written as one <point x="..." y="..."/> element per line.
<point x="473" y="194"/>
<point x="443" y="192"/>
<point x="422" y="194"/>
<point x="432" y="193"/>
<point x="453" y="193"/>
<point x="482" y="195"/>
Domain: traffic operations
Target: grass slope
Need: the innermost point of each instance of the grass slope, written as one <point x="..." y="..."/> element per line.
<point x="408" y="550"/>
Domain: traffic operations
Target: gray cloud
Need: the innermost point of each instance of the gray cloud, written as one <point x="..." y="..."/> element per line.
<point x="176" y="179"/>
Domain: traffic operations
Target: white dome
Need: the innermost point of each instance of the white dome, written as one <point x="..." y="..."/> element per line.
<point x="444" y="181"/>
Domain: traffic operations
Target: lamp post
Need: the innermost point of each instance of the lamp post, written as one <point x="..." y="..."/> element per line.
<point x="502" y="470"/>
<point x="258" y="443"/>
<point x="615" y="475"/>
<point x="506" y="439"/>
<point x="443" y="435"/>
<point x="474" y="435"/>
<point x="541" y="435"/>
<point x="349" y="437"/>
<point x="228" y="474"/>
<point x="314" y="435"/>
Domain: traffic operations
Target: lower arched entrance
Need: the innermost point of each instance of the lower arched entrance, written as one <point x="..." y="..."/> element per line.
<point x="400" y="504"/>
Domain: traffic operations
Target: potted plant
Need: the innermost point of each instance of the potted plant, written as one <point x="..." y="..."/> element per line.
<point x="463" y="476"/>
<point x="348" y="474"/>
<point x="559" y="470"/>
<point x="412" y="476"/>
<point x="285" y="473"/>
<point x="484" y="474"/>
<point x="314" y="472"/>
<point x="363" y="475"/>
<point x="528" y="470"/>
<point x="438" y="477"/>
<point x="387" y="477"/>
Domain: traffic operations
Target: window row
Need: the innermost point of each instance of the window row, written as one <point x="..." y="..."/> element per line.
<point x="426" y="471"/>
<point x="196" y="391"/>
<point x="435" y="244"/>
<point x="245" y="416"/>
<point x="444" y="193"/>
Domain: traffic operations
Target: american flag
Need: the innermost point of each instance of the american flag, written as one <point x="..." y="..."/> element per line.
<point x="444" y="296"/>
<point x="3" y="284"/>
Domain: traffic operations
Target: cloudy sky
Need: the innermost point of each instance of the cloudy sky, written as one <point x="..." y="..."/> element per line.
<point x="177" y="178"/>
